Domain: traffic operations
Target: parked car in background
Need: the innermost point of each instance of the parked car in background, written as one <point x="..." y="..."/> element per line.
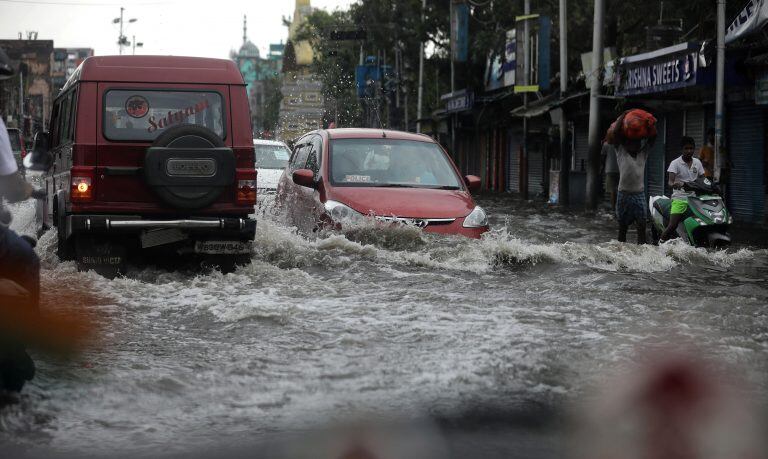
<point x="152" y="155"/>
<point x="340" y="177"/>
<point x="271" y="159"/>
<point x="17" y="146"/>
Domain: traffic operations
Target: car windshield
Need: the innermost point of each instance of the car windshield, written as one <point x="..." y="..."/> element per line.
<point x="15" y="141"/>
<point x="271" y="156"/>
<point x="144" y="115"/>
<point x="385" y="162"/>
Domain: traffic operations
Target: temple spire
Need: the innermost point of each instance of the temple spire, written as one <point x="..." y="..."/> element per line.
<point x="245" y="28"/>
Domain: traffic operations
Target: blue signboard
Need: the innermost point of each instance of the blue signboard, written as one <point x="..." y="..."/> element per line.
<point x="460" y="32"/>
<point x="663" y="70"/>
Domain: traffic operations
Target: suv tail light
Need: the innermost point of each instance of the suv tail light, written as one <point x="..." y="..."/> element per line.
<point x="246" y="187"/>
<point x="81" y="184"/>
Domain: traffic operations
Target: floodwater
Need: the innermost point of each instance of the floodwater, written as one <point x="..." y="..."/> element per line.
<point x="475" y="346"/>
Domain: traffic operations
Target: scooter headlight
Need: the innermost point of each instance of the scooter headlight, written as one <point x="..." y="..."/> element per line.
<point x="476" y="219"/>
<point x="341" y="213"/>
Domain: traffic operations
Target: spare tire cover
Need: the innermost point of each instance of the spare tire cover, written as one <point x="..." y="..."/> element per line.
<point x="189" y="166"/>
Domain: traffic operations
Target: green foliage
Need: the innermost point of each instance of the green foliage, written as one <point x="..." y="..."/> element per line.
<point x="396" y="26"/>
<point x="272" y="103"/>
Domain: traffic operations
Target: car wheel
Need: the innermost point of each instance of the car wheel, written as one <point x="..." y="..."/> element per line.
<point x="64" y="245"/>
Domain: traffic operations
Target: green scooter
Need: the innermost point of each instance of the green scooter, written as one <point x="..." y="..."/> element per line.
<point x="706" y="221"/>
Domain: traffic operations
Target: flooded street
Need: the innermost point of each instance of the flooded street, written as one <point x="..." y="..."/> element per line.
<point x="390" y="322"/>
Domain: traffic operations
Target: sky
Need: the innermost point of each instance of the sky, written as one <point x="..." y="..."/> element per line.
<point x="166" y="27"/>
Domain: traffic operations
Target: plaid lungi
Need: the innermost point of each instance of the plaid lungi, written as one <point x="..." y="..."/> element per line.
<point x="630" y="207"/>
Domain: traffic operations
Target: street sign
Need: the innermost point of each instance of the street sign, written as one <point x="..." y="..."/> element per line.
<point x="458" y="101"/>
<point x="539" y="35"/>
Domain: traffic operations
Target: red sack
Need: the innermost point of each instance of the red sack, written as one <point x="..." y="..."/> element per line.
<point x="638" y="124"/>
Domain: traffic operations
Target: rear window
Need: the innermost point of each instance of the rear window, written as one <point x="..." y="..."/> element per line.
<point x="144" y="115"/>
<point x="272" y="156"/>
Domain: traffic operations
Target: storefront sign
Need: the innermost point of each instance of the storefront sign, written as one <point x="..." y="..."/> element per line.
<point x="458" y="101"/>
<point x="669" y="68"/>
<point x="752" y="18"/>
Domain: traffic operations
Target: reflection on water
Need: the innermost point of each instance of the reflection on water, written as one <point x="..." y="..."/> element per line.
<point x="389" y="321"/>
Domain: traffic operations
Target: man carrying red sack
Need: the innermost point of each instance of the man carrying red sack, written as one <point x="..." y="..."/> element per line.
<point x="633" y="133"/>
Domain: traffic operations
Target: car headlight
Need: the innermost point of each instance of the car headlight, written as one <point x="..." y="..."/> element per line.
<point x="476" y="219"/>
<point x="341" y="213"/>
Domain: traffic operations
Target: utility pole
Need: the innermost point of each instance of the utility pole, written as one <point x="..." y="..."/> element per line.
<point x="593" y="161"/>
<point x="453" y="88"/>
<point x="720" y="88"/>
<point x="120" y="39"/>
<point x="526" y="82"/>
<point x="421" y="72"/>
<point x="565" y="160"/>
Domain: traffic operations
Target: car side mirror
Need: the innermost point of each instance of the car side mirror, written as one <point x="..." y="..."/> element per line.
<point x="40" y="159"/>
<point x="304" y="177"/>
<point x="473" y="182"/>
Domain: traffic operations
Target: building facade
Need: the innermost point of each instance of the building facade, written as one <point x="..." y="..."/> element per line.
<point x="302" y="106"/>
<point x="26" y="99"/>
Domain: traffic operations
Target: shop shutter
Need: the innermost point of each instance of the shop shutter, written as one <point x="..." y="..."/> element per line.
<point x="581" y="147"/>
<point x="655" y="166"/>
<point x="694" y="126"/>
<point x="535" y="169"/>
<point x="746" y="137"/>
<point x="513" y="163"/>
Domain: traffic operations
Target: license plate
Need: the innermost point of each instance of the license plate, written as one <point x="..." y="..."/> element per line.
<point x="222" y="247"/>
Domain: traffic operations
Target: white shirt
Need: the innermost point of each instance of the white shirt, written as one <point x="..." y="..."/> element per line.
<point x="685" y="173"/>
<point x="7" y="161"/>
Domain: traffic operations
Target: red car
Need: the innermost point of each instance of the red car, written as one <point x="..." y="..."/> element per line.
<point x="342" y="176"/>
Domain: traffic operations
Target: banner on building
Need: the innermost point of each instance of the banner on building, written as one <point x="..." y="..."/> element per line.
<point x="752" y="18"/>
<point x="459" y="31"/>
<point x="539" y="31"/>
<point x="500" y="70"/>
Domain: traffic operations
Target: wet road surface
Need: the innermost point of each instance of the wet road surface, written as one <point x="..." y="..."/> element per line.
<point x="480" y="344"/>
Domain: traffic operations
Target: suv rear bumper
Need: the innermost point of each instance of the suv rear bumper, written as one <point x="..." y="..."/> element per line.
<point x="229" y="227"/>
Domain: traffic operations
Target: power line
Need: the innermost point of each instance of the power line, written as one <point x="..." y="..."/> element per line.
<point x="111" y="5"/>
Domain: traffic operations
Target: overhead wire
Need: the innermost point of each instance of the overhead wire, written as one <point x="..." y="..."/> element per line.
<point x="111" y="5"/>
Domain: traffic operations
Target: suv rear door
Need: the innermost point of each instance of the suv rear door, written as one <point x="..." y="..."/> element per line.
<point x="132" y="116"/>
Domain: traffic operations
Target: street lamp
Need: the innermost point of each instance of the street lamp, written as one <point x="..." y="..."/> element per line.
<point x="122" y="40"/>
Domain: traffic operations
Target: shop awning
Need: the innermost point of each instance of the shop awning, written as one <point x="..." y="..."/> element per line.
<point x="543" y="106"/>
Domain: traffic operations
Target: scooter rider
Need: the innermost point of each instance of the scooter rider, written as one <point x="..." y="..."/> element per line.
<point x="18" y="261"/>
<point x="682" y="170"/>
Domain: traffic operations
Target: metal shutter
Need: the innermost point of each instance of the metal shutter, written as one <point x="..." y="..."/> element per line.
<point x="694" y="126"/>
<point x="513" y="163"/>
<point x="655" y="166"/>
<point x="746" y="137"/>
<point x="581" y="148"/>
<point x="535" y="169"/>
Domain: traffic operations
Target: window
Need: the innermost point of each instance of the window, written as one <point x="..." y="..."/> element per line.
<point x="315" y="155"/>
<point x="271" y="156"/>
<point x="385" y="162"/>
<point x="142" y="115"/>
<point x="300" y="157"/>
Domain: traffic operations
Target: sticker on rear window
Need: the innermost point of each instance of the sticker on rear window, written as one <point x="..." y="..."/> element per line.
<point x="137" y="106"/>
<point x="177" y="117"/>
<point x="357" y="178"/>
